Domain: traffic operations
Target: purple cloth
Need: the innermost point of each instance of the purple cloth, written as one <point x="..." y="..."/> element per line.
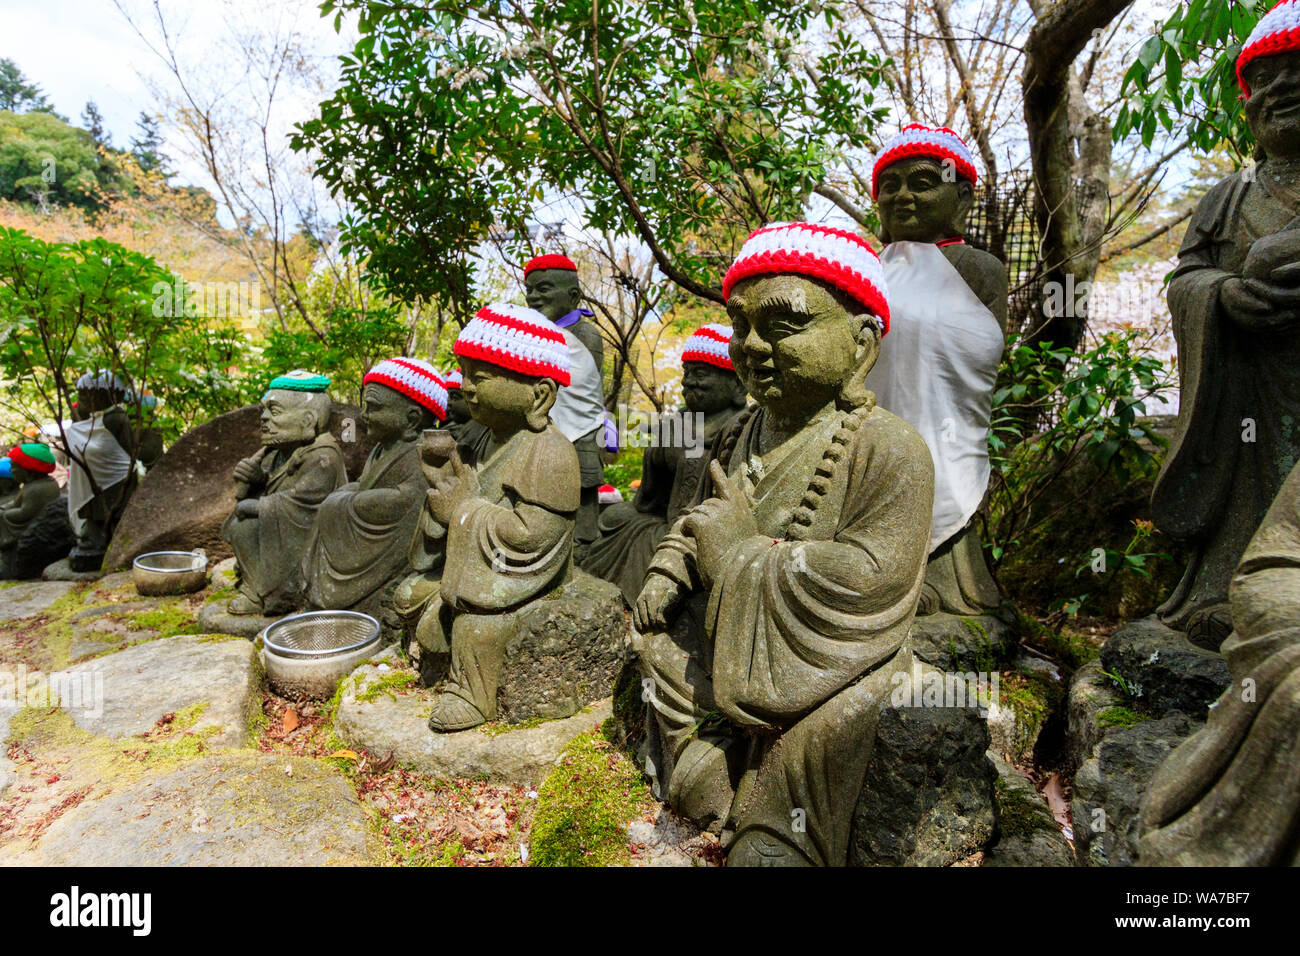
<point x="611" y="434"/>
<point x="572" y="318"/>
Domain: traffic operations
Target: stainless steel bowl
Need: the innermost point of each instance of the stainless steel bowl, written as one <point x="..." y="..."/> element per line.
<point x="169" y="572"/>
<point x="317" y="635"/>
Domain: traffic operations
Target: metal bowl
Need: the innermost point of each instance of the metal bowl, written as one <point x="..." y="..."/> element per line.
<point x="169" y="572"/>
<point x="307" y="654"/>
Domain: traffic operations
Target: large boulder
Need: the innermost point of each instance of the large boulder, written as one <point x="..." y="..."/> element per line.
<point x="1164" y="669"/>
<point x="183" y="500"/>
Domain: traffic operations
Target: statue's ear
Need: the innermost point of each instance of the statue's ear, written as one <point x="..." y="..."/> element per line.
<point x="867" y="336"/>
<point x="545" y="391"/>
<point x="414" y="419"/>
<point x="965" y="200"/>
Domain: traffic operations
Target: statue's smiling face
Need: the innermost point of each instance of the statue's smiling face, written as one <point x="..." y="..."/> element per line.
<point x="497" y="398"/>
<point x="552" y="292"/>
<point x="1273" y="108"/>
<point x="793" y="342"/>
<point x="921" y="201"/>
<point x="707" y="388"/>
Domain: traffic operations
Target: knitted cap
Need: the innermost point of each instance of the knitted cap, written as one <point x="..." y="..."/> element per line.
<point x="33" y="456"/>
<point x="709" y="344"/>
<point x="917" y="139"/>
<point x="104" y="379"/>
<point x="6" y="467"/>
<point x="417" y="380"/>
<point x="1277" y="31"/>
<point x="819" y="252"/>
<point x="549" y="262"/>
<point x="453" y="379"/>
<point x="517" y="338"/>
<point x="300" y="380"/>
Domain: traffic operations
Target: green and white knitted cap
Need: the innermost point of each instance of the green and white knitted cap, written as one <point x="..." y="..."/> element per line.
<point x="299" y="380"/>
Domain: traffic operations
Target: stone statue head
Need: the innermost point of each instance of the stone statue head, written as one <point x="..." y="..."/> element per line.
<point x="1273" y="106"/>
<point x="808" y="309"/>
<point x="709" y="380"/>
<point x="295" y="409"/>
<point x="513" y="363"/>
<point x="401" y="397"/>
<point x="30" y="461"/>
<point x="99" y="391"/>
<point x="923" y="183"/>
<point x="457" y="410"/>
<point x="551" y="286"/>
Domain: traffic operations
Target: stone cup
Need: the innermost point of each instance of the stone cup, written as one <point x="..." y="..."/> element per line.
<point x="436" y="447"/>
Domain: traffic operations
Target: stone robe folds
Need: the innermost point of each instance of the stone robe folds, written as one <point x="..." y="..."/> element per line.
<point x="1239" y="426"/>
<point x="795" y="642"/>
<point x="269" y="548"/>
<point x="362" y="532"/>
<point x="1230" y="795"/>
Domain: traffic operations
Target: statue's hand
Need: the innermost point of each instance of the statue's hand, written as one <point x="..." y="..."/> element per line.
<point x="246" y="508"/>
<point x="248" y="471"/>
<point x="719" y="523"/>
<point x="1271" y="252"/>
<point x="658" y="596"/>
<point x="1256" y="305"/>
<point x="447" y="493"/>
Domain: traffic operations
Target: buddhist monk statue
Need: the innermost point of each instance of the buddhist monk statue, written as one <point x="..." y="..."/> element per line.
<point x="363" y="530"/>
<point x="1235" y="299"/>
<point x="30" y="467"/>
<point x="1230" y="794"/>
<point x="774" y="613"/>
<point x="279" y="491"/>
<point x="503" y="509"/>
<point x="670" y="471"/>
<point x="102" y="459"/>
<point x="938" y="369"/>
<point x="551" y="287"/>
<point x="459" y="421"/>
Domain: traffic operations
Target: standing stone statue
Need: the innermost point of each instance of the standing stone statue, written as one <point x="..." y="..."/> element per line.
<point x="1230" y="794"/>
<point x="279" y="491"/>
<point x="938" y="369"/>
<point x="504" y="512"/>
<point x="30" y="466"/>
<point x="551" y="287"/>
<point x="101" y="466"/>
<point x="670" y="471"/>
<point x="1235" y="299"/>
<point x="773" y="615"/>
<point x="362" y="531"/>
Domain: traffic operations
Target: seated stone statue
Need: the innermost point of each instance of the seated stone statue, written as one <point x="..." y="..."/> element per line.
<point x="459" y="421"/>
<point x="773" y="613"/>
<point x="362" y="531"/>
<point x="1230" y="794"/>
<point x="8" y="484"/>
<point x="938" y="370"/>
<point x="30" y="466"/>
<point x="551" y="287"/>
<point x="278" y="492"/>
<point x="1235" y="300"/>
<point x="504" y="511"/>
<point x="102" y="476"/>
<point x="670" y="472"/>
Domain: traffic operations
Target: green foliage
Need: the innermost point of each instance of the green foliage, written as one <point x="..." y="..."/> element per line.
<point x="625" y="470"/>
<point x="683" y="124"/>
<point x="68" y="308"/>
<point x="1120" y="717"/>
<point x="1185" y="76"/>
<point x="1090" y="404"/>
<point x="42" y="158"/>
<point x="17" y="93"/>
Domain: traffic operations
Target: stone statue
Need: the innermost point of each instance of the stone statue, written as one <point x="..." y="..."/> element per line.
<point x="278" y="492"/>
<point x="30" y="467"/>
<point x="938" y="370"/>
<point x="773" y="617"/>
<point x="1235" y="299"/>
<point x="503" y="509"/>
<point x="362" y="531"/>
<point x="1230" y="794"/>
<point x="102" y="460"/>
<point x="551" y="287"/>
<point x="8" y="484"/>
<point x="670" y="471"/>
<point x="459" y="421"/>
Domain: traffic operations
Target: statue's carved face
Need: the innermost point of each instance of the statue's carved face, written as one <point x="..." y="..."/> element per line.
<point x="287" y="418"/>
<point x="1273" y="108"/>
<point x="389" y="415"/>
<point x="21" y="474"/>
<point x="795" y="344"/>
<point x="505" y="401"/>
<point x="922" y="200"/>
<point x="708" y="389"/>
<point x="552" y="292"/>
<point x="457" y="410"/>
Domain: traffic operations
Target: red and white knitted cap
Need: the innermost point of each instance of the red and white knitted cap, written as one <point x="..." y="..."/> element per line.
<point x="416" y="379"/>
<point x="549" y="262"/>
<point x="518" y="338"/>
<point x="709" y="344"/>
<point x="819" y="252"/>
<point x="936" y="142"/>
<point x="453" y="379"/>
<point x="1277" y="31"/>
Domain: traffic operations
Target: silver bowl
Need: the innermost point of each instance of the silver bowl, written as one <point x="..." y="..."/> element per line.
<point x="307" y="654"/>
<point x="169" y="572"/>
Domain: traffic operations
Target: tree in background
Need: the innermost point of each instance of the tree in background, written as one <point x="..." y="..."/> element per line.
<point x="147" y="147"/>
<point x="17" y="93"/>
